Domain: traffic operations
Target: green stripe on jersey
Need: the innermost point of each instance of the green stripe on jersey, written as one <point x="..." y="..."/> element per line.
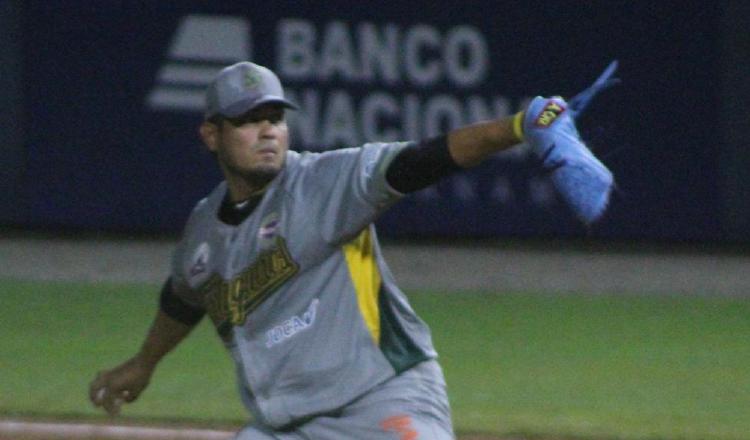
<point x="395" y="343"/>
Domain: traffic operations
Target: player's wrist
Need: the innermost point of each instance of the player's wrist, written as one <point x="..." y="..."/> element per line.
<point x="145" y="362"/>
<point x="518" y="125"/>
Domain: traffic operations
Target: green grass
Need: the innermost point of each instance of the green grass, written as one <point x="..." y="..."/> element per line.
<point x="56" y="336"/>
<point x="635" y="367"/>
<point x="583" y="366"/>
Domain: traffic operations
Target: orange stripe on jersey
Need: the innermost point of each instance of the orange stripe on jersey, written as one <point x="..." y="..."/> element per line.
<point x="401" y="425"/>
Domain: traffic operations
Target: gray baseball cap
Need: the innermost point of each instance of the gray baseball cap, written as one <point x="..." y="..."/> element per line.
<point x="242" y="87"/>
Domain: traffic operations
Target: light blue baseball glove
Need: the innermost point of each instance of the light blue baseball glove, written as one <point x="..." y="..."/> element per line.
<point x="550" y="131"/>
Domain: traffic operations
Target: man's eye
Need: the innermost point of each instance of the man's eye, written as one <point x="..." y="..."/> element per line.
<point x="237" y="121"/>
<point x="254" y="119"/>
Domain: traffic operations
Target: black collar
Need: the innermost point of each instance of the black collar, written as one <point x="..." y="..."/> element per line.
<point x="233" y="213"/>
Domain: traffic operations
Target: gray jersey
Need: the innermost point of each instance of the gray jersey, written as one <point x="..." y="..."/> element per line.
<point x="299" y="291"/>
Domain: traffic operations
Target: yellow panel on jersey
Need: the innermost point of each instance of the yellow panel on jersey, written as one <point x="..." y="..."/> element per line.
<point x="360" y="258"/>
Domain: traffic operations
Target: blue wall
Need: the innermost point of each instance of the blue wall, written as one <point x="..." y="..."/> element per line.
<point x="113" y="98"/>
<point x="12" y="151"/>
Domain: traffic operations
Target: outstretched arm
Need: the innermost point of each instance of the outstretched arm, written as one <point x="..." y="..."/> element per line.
<point x="470" y="145"/>
<point x="548" y="127"/>
<point x="124" y="383"/>
<point x="422" y="164"/>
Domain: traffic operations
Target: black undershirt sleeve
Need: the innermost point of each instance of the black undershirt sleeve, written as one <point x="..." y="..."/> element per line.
<point x="178" y="309"/>
<point x="420" y="165"/>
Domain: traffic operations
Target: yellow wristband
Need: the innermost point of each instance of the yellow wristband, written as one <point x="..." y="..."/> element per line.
<point x="518" y="125"/>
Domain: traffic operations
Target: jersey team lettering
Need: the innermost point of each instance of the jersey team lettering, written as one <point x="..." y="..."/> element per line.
<point x="549" y="113"/>
<point x="229" y="302"/>
<point x="292" y="326"/>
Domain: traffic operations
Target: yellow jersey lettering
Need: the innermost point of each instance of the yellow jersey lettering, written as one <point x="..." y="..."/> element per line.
<point x="234" y="299"/>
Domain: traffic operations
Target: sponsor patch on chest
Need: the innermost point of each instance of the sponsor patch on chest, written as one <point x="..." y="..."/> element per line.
<point x="268" y="227"/>
<point x="228" y="302"/>
<point x="292" y="326"/>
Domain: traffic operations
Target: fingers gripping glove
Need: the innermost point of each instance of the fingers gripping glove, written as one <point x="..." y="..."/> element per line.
<point x="550" y="131"/>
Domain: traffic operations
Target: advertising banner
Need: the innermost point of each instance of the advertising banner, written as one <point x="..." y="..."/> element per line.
<point x="115" y="95"/>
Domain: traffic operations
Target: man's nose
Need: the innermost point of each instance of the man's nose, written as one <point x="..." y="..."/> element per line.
<point x="268" y="129"/>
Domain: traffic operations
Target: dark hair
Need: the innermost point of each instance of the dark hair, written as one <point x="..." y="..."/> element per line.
<point x="215" y="119"/>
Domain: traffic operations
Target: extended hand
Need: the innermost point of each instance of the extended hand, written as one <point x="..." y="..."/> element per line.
<point x="124" y="383"/>
<point x="550" y="131"/>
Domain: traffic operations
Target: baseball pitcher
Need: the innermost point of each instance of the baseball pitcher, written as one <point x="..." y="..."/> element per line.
<point x="284" y="259"/>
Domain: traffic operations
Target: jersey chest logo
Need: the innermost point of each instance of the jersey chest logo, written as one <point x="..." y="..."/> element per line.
<point x="268" y="229"/>
<point x="228" y="302"/>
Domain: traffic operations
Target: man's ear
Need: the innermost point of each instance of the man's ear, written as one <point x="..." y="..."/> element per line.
<point x="210" y="134"/>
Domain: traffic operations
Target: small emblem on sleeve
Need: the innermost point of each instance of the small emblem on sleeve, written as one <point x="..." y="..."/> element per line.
<point x="199" y="262"/>
<point x="549" y="113"/>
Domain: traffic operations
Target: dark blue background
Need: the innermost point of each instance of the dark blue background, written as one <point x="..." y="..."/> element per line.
<point x="98" y="159"/>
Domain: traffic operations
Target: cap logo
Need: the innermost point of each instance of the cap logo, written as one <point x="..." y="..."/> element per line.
<point x="252" y="79"/>
<point x="549" y="113"/>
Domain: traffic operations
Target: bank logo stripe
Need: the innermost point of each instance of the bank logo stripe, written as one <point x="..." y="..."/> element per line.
<point x="168" y="98"/>
<point x="224" y="39"/>
<point x="178" y="74"/>
<point x="202" y="45"/>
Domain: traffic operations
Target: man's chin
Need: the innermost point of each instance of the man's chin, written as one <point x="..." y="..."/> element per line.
<point x="260" y="176"/>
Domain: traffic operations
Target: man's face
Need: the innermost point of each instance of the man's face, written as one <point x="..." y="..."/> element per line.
<point x="252" y="146"/>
